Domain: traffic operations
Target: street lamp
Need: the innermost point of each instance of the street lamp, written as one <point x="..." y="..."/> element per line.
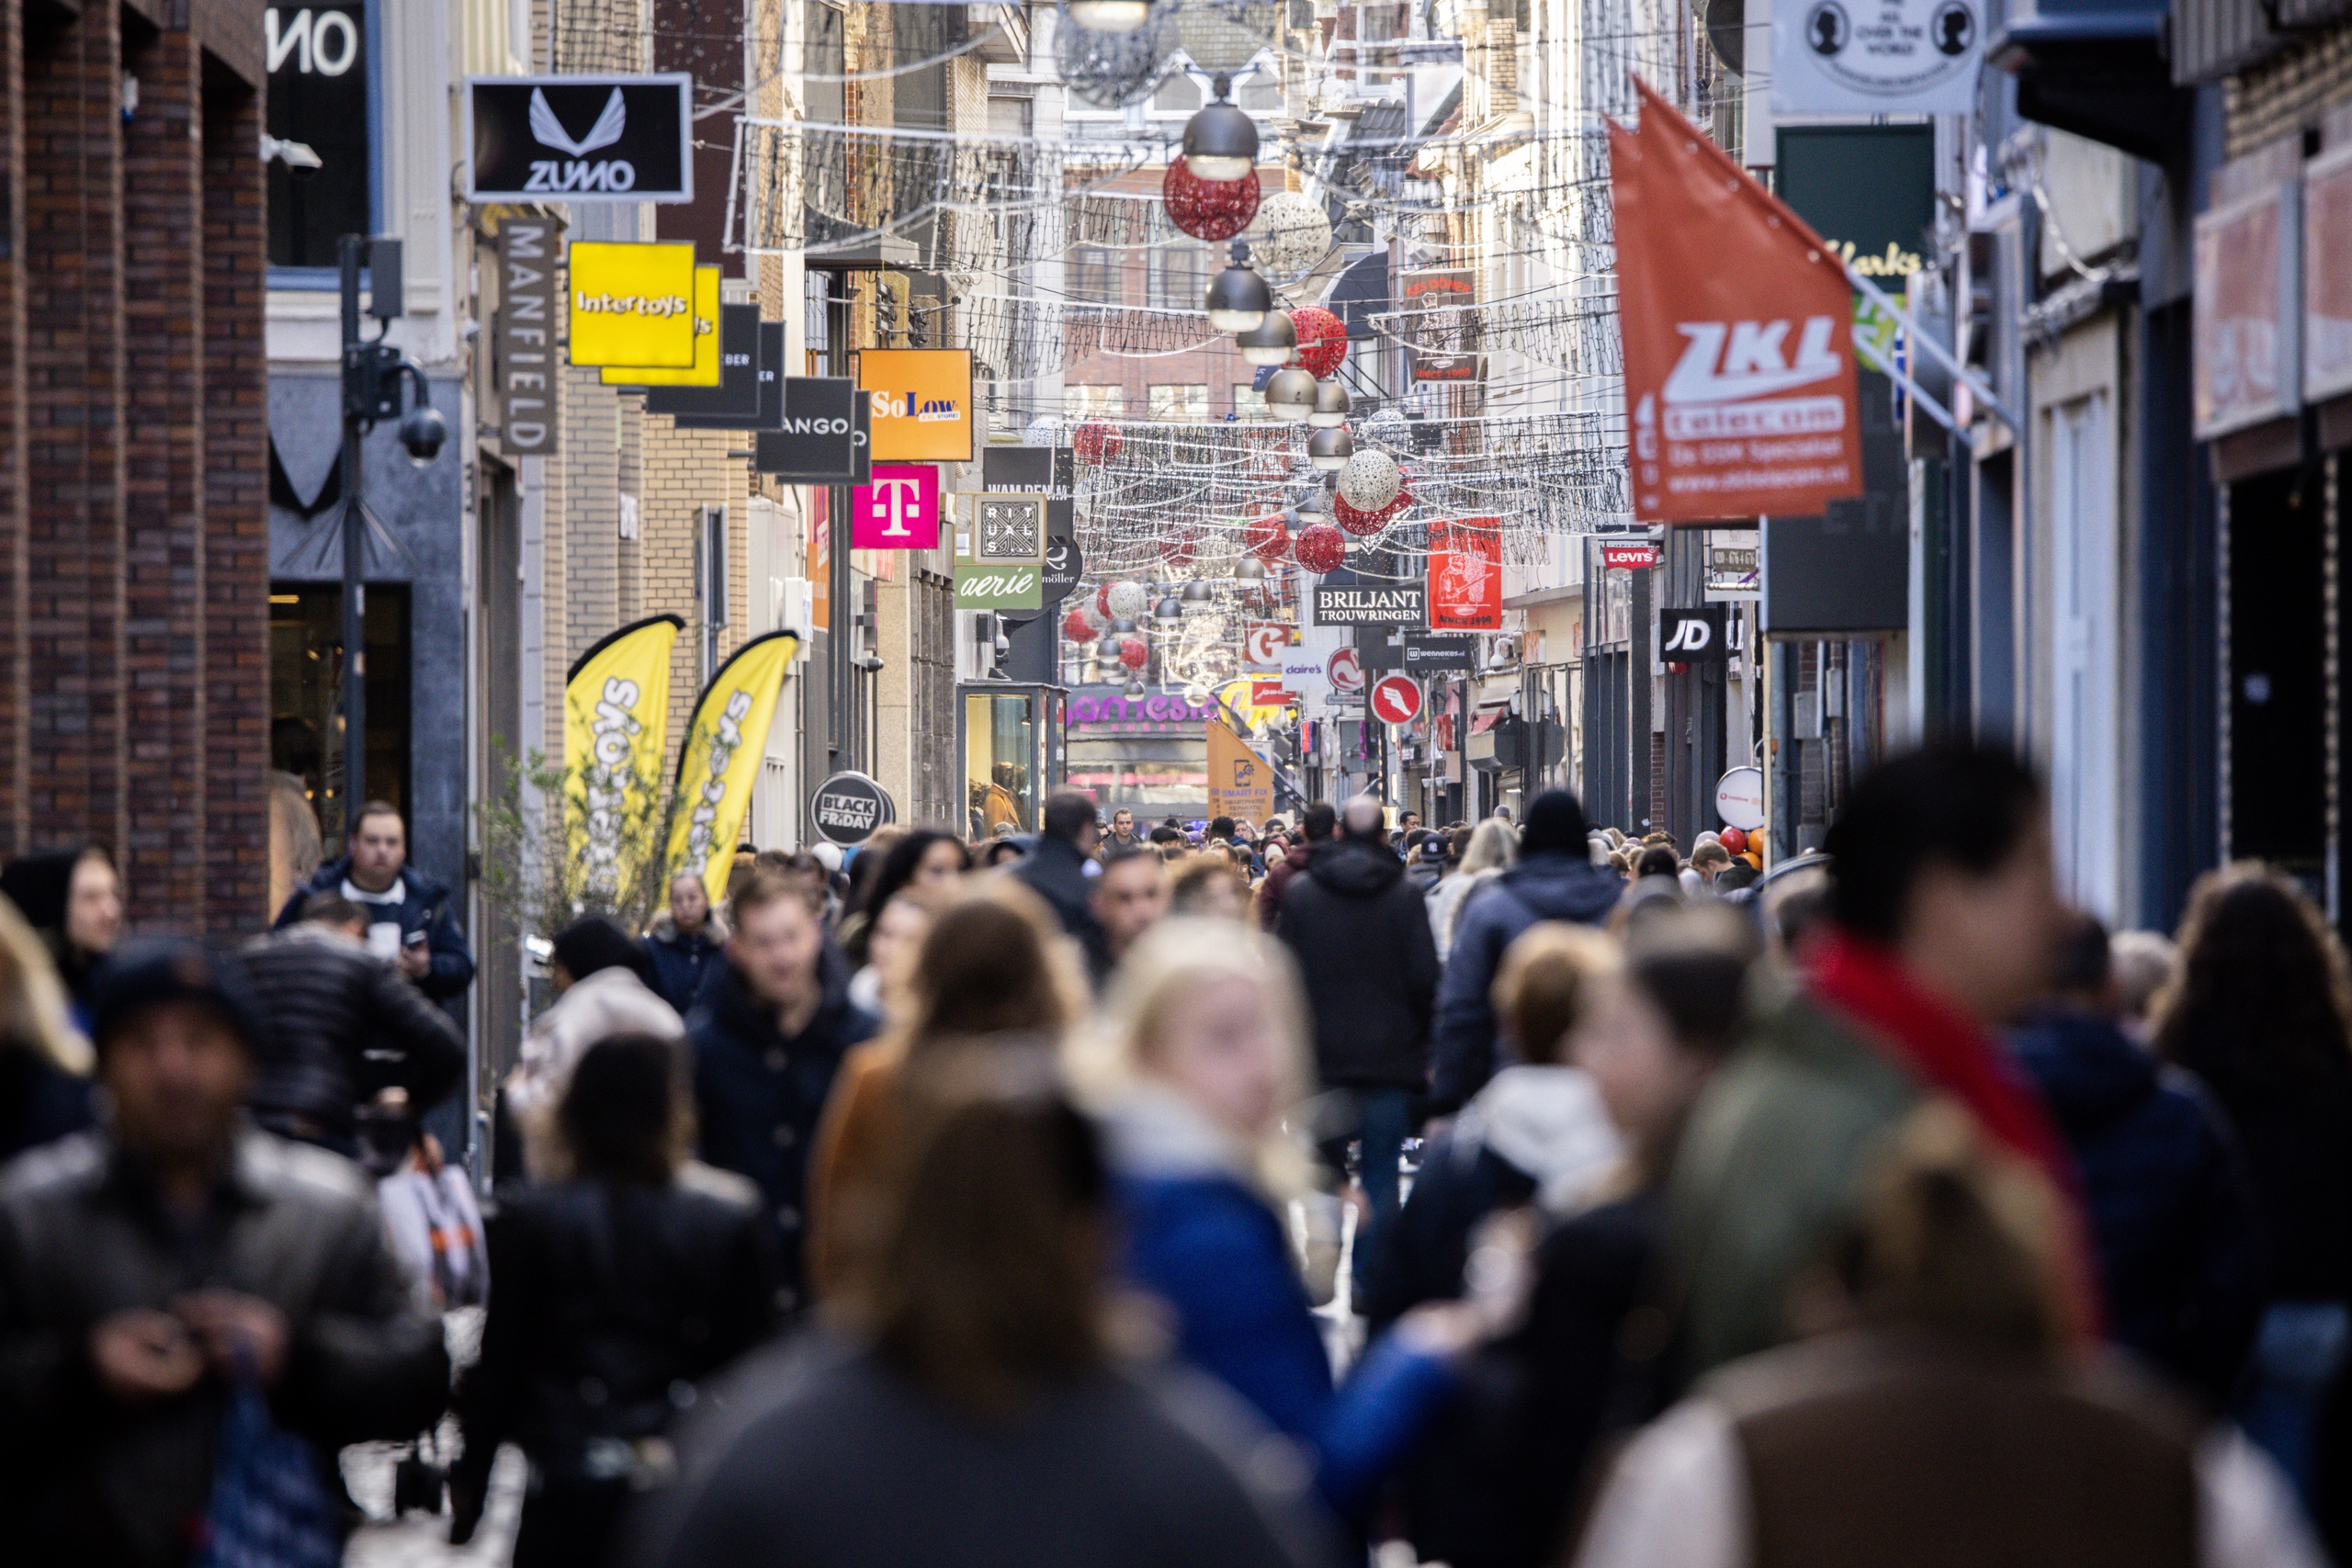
<point x="1238" y="299"/>
<point x="372" y="372"/>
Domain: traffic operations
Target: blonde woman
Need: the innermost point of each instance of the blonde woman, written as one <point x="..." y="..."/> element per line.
<point x="44" y="1064"/>
<point x="1493" y="846"/>
<point x="1201" y="1053"/>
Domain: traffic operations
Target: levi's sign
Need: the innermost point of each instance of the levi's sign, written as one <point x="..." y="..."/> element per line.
<point x="579" y="138"/>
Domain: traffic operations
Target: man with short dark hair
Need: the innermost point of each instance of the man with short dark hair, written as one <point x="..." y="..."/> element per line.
<point x="412" y="921"/>
<point x="341" y="1027"/>
<point x="1316" y="826"/>
<point x="149" y="1268"/>
<point x="1220" y="830"/>
<point x="769" y="1035"/>
<point x="1129" y="898"/>
<point x="1368" y="968"/>
<point x="1056" y="871"/>
<point x="1942" y="920"/>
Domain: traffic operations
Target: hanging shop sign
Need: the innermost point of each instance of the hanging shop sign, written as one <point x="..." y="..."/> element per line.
<point x="772" y="348"/>
<point x="1342" y="599"/>
<point x="722" y="759"/>
<point x="2247" y="312"/>
<point x="1739" y="799"/>
<point x="1693" y="636"/>
<point x="1052" y="470"/>
<point x="1001" y="553"/>
<point x="704" y="373"/>
<point x="1265" y="644"/>
<point x="734" y="403"/>
<point x="1465" y="574"/>
<point x="1417" y="654"/>
<point x="1438" y="326"/>
<point x="1876" y="56"/>
<point x="1241" y="784"/>
<point x="898" y="508"/>
<point x="632" y="304"/>
<point x="2327" y="274"/>
<point x="575" y="138"/>
<point x="1846" y="569"/>
<point x="1870" y="191"/>
<point x="1628" y="557"/>
<point x="1733" y="572"/>
<point x="816" y="440"/>
<point x="1344" y="670"/>
<point x="1396" y="699"/>
<point x="530" y="413"/>
<point x="616" y="735"/>
<point x="1064" y="562"/>
<point x="848" y="806"/>
<point x="920" y="400"/>
<point x="1739" y="368"/>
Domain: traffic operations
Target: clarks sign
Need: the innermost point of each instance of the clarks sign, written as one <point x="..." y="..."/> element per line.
<point x="579" y="138"/>
<point x="1345" y="604"/>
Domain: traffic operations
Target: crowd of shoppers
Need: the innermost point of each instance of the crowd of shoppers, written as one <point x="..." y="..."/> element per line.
<point x="952" y="1204"/>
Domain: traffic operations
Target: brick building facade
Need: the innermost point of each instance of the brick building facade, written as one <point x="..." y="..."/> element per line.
<point x="133" y="549"/>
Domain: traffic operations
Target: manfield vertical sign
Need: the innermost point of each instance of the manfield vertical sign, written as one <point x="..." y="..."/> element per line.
<point x="529" y="417"/>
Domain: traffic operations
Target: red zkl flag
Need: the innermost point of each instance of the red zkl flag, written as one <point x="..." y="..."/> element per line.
<point x="1739" y="331"/>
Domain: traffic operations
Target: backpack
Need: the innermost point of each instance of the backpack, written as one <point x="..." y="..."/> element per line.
<point x="435" y="1230"/>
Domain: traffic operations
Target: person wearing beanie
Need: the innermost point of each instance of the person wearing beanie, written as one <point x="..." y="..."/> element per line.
<point x="1555" y="879"/>
<point x="151" y="1267"/>
<point x="603" y="985"/>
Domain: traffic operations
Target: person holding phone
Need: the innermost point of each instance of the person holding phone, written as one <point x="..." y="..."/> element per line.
<point x="411" y="919"/>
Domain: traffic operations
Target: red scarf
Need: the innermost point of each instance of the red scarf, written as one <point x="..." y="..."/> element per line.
<point x="1947" y="1052"/>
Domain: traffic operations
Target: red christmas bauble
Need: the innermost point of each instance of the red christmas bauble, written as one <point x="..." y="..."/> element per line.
<point x="1103" y="605"/>
<point x="1133" y="654"/>
<point x="1268" y="538"/>
<point x="1095" y="442"/>
<point x="1321" y="548"/>
<point x="1322" y="340"/>
<point x="1354" y="519"/>
<point x="1076" y="627"/>
<point x="1208" y="209"/>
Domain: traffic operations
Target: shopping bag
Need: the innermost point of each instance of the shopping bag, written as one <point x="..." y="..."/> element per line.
<point x="270" y="1508"/>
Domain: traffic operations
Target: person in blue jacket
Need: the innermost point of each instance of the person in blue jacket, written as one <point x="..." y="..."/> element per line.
<point x="2175" y="1219"/>
<point x="412" y="920"/>
<point x="1204" y="1057"/>
<point x="1554" y="879"/>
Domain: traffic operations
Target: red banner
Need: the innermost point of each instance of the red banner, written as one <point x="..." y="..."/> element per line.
<point x="1466" y="575"/>
<point x="1738" y="333"/>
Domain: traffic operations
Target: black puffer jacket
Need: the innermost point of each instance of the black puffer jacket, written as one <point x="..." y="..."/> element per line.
<point x="1549" y="885"/>
<point x="613" y="1303"/>
<point x="88" y="1481"/>
<point x="343" y="1026"/>
<point x="1361" y="934"/>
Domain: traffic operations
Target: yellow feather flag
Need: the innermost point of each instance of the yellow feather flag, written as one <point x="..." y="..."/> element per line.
<point x="616" y="730"/>
<point x="721" y="757"/>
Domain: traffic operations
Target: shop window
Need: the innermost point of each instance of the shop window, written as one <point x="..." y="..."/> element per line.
<point x="306" y="696"/>
<point x="1179" y="402"/>
<point x="1094" y="402"/>
<point x="320" y="72"/>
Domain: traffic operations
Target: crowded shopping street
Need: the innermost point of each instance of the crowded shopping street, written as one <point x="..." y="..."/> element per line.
<point x="1175" y="783"/>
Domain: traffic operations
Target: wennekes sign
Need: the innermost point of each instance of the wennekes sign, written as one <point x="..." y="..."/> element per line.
<point x="1342" y="599"/>
<point x="579" y="138"/>
<point x="847" y="807"/>
<point x="1419" y="655"/>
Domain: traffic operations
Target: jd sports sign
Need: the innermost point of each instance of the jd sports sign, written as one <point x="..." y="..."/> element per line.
<point x="847" y="807"/>
<point x="532" y="139"/>
<point x="1692" y="636"/>
<point x="1342" y="599"/>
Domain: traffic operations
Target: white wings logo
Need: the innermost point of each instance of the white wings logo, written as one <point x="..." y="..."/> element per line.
<point x="550" y="132"/>
<point x="1753" y="365"/>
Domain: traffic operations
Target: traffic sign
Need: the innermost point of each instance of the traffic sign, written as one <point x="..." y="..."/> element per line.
<point x="1263" y="644"/>
<point x="1396" y="700"/>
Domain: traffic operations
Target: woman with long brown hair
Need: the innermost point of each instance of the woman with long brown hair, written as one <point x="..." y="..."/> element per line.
<point x="2261" y="1009"/>
<point x="994" y="964"/>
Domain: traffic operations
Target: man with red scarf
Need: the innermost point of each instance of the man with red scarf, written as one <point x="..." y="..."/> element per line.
<point x="1944" y="920"/>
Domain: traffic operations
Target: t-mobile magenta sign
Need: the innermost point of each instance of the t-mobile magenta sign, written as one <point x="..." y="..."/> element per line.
<point x="899" y="510"/>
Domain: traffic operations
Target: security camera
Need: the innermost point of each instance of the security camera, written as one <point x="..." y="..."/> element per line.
<point x="422" y="431"/>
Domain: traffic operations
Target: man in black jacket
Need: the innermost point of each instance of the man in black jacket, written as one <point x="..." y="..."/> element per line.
<point x="147" y="1266"/>
<point x="410" y="919"/>
<point x="772" y="1029"/>
<point x="1056" y="871"/>
<point x="1361" y="935"/>
<point x="341" y="1026"/>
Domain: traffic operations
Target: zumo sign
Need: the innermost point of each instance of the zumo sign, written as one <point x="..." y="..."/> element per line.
<point x="847" y="807"/>
<point x="531" y="138"/>
<point x="1365" y="604"/>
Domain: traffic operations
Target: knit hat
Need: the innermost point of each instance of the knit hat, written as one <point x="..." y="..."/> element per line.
<point x="155" y="971"/>
<point x="1554" y="825"/>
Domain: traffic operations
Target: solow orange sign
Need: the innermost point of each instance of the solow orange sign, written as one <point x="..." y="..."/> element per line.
<point x="920" y="402"/>
<point x="1738" y="333"/>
